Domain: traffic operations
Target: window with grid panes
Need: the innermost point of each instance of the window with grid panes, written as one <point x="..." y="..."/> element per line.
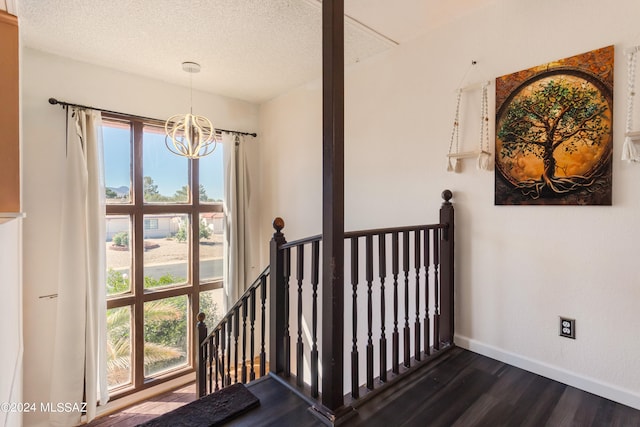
<point x="164" y="252"/>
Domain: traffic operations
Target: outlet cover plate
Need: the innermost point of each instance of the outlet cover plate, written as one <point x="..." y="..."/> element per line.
<point x="568" y="328"/>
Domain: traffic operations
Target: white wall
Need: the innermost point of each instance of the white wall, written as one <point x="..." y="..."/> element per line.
<point x="518" y="267"/>
<point x="47" y="76"/>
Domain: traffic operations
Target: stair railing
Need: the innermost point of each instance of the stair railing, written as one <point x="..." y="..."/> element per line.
<point x="235" y="336"/>
<point x="411" y="268"/>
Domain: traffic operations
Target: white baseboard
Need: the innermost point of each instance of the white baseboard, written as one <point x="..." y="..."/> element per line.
<point x="591" y="385"/>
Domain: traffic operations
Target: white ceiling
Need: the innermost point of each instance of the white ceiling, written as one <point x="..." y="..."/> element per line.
<point x="248" y="49"/>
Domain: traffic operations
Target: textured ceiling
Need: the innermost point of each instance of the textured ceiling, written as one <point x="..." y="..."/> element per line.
<point x="248" y="49"/>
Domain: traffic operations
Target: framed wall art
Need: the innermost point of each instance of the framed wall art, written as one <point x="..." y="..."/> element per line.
<point x="554" y="136"/>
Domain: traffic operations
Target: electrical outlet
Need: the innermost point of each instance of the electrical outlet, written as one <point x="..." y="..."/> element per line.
<point x="567" y="328"/>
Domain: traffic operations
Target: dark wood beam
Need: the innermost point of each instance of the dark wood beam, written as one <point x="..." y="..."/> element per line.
<point x="332" y="203"/>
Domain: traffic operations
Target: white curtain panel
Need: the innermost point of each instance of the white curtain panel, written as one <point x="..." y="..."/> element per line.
<point x="79" y="358"/>
<point x="236" y="211"/>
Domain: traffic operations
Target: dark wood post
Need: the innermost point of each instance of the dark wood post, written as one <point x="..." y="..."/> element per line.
<point x="332" y="204"/>
<point x="201" y="372"/>
<point x="446" y="270"/>
<point x="277" y="300"/>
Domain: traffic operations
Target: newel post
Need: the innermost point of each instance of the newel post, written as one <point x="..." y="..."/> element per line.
<point x="277" y="300"/>
<point x="446" y="269"/>
<point x="201" y="372"/>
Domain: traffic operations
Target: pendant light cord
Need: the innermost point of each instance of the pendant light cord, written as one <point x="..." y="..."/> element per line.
<point x="191" y="93"/>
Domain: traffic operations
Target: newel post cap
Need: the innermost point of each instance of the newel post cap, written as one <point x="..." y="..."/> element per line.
<point x="278" y="224"/>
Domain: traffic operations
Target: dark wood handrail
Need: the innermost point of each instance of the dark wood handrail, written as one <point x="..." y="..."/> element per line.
<point x="377" y="231"/>
<point x="364" y="233"/>
<point x="303" y="241"/>
<point x="256" y="283"/>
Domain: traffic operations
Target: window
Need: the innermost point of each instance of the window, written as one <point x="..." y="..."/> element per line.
<point x="164" y="252"/>
<point x="151" y="223"/>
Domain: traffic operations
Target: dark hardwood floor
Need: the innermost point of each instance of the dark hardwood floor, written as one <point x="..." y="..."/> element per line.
<point x="463" y="389"/>
<point x="466" y="389"/>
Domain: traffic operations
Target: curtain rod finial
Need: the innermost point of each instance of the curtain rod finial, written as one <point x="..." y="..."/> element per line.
<point x="53" y="101"/>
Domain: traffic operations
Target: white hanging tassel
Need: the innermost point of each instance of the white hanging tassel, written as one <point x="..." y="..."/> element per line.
<point x="484" y="157"/>
<point x="629" y="150"/>
<point x="453" y="165"/>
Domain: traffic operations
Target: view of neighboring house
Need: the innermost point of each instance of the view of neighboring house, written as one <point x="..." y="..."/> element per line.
<point x="214" y="221"/>
<point x="159" y="226"/>
<point x="156" y="226"/>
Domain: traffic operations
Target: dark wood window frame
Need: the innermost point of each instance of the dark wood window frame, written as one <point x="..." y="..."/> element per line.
<point x="136" y="210"/>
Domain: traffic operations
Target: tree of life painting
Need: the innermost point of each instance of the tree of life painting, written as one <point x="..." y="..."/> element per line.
<point x="553" y="132"/>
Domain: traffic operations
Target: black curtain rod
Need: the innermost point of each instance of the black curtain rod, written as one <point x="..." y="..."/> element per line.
<point x="54" y="101"/>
